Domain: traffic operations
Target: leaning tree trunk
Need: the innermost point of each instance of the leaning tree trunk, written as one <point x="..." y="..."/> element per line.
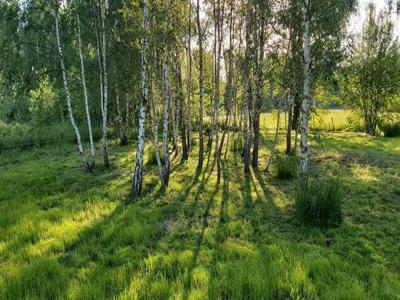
<point x="67" y="93"/>
<point x="201" y="136"/>
<point x="138" y="171"/>
<point x="307" y="88"/>
<point x="91" y="163"/>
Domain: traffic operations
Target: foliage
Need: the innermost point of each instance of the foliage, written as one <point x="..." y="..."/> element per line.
<point x="319" y="202"/>
<point x="390" y="128"/>
<point x="287" y="167"/>
<point x="373" y="77"/>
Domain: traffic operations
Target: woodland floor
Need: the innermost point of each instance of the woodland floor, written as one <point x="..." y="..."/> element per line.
<point x="65" y="233"/>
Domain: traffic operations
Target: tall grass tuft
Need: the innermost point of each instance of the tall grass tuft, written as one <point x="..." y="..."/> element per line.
<point x="151" y="156"/>
<point x="319" y="203"/>
<point x="236" y="144"/>
<point x="287" y="167"/>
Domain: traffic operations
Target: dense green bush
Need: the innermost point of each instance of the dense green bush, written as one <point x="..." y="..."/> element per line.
<point x="287" y="167"/>
<point x="391" y="129"/>
<point x="319" y="203"/>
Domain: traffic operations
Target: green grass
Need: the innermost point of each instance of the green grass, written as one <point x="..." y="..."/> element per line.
<point x="67" y="234"/>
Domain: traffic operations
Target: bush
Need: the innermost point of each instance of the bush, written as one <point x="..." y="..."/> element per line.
<point x="287" y="167"/>
<point x="319" y="203"/>
<point x="391" y="129"/>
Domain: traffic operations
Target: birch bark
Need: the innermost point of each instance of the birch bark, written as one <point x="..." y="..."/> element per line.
<point x="307" y="88"/>
<point x="138" y="171"/>
<point x="67" y="92"/>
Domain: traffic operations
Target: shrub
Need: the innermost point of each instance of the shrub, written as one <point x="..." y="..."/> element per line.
<point x="319" y="203"/>
<point x="391" y="129"/>
<point x="287" y="167"/>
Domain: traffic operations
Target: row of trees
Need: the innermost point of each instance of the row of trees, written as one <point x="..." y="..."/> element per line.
<point x="184" y="69"/>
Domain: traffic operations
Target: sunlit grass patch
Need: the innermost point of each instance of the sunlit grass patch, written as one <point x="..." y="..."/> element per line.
<point x="197" y="240"/>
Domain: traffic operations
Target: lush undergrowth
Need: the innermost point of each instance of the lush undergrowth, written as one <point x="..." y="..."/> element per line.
<point x="65" y="233"/>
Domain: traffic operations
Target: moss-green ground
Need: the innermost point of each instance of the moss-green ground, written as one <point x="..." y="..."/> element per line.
<point x="65" y="233"/>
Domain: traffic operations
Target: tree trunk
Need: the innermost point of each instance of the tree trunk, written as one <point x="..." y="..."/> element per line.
<point x="247" y="92"/>
<point x="105" y="86"/>
<point x="259" y="87"/>
<point x="201" y="137"/>
<point x="181" y="115"/>
<point x="138" y="171"/>
<point x="67" y="93"/>
<point x="119" y="118"/>
<point x="167" y="100"/>
<point x="189" y="79"/>
<point x="307" y="88"/>
<point x="91" y="162"/>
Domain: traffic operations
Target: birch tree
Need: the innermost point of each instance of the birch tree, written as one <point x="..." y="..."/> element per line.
<point x="200" y="41"/>
<point x="247" y="87"/>
<point x="91" y="162"/>
<point x="138" y="171"/>
<point x="67" y="90"/>
<point x="307" y="86"/>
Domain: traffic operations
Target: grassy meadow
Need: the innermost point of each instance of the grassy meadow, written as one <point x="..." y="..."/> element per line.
<point x="68" y="234"/>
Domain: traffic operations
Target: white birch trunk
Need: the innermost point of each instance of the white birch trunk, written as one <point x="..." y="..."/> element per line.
<point x="138" y="171"/>
<point x="105" y="81"/>
<point x="67" y="92"/>
<point x="167" y="100"/>
<point x="201" y="136"/>
<point x="85" y="92"/>
<point x="307" y="88"/>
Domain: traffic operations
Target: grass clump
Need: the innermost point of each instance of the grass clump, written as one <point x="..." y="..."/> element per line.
<point x="319" y="203"/>
<point x="237" y="145"/>
<point x="287" y="167"/>
<point x="152" y="157"/>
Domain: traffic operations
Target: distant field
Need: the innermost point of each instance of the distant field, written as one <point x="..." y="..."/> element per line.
<point x="326" y="120"/>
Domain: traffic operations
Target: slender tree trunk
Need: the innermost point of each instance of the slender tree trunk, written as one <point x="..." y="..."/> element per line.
<point x="247" y="92"/>
<point x="201" y="137"/>
<point x="167" y="100"/>
<point x="125" y="134"/>
<point x="181" y="116"/>
<point x="273" y="150"/>
<point x="229" y="85"/>
<point x="189" y="79"/>
<point x="91" y="162"/>
<point x="259" y="87"/>
<point x="138" y="171"/>
<point x="68" y="94"/>
<point x="307" y="88"/>
<point x="289" y="124"/>
<point x="154" y="108"/>
<point x="121" y="131"/>
<point x="105" y="86"/>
